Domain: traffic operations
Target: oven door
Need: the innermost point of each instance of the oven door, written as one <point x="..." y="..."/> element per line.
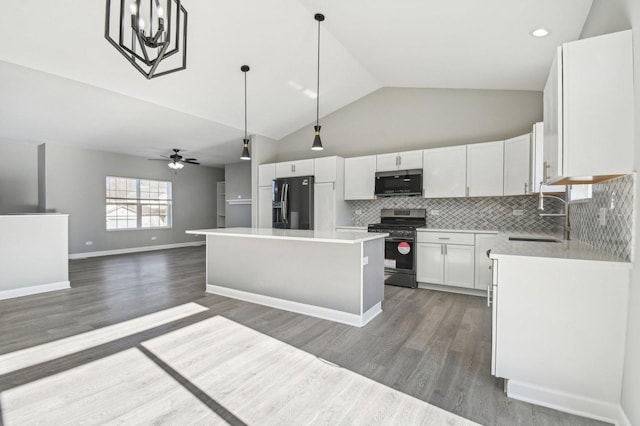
<point x="399" y="255"/>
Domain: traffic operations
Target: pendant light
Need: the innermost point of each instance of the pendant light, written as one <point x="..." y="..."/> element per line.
<point x="245" y="151"/>
<point x="317" y="143"/>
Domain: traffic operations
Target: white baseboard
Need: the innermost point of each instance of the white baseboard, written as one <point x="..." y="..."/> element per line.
<point x="34" y="289"/>
<point x="301" y="308"/>
<point x="134" y="250"/>
<point x="453" y="289"/>
<point x="624" y="420"/>
<point x="567" y="402"/>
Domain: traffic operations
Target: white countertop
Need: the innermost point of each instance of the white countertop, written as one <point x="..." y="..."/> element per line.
<point x="463" y="231"/>
<point x="352" y="227"/>
<point x="344" y="237"/>
<point x="574" y="250"/>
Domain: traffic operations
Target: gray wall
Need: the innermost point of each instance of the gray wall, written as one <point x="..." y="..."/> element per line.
<point x="395" y="119"/>
<point x="18" y="178"/>
<point x="75" y="184"/>
<point x="608" y="16"/>
<point x="237" y="177"/>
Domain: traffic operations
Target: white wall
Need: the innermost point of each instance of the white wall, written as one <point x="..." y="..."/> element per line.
<point x="75" y="184"/>
<point x="393" y="119"/>
<point x="18" y="178"/>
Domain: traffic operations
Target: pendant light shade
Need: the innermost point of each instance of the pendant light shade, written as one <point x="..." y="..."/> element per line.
<point x="245" y="150"/>
<point x="317" y="143"/>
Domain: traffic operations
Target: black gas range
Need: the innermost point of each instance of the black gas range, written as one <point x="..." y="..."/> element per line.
<point x="399" y="246"/>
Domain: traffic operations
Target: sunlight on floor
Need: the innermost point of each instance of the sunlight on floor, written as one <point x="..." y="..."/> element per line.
<point x="28" y="357"/>
<point x="213" y="366"/>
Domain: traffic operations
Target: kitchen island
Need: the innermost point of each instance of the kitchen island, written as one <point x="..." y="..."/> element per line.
<point x="337" y="276"/>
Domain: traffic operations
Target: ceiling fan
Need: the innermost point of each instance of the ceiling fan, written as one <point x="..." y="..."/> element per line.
<point x="177" y="161"/>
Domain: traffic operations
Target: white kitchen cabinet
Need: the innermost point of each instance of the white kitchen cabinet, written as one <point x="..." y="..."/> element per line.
<point x="445" y="172"/>
<point x="446" y="258"/>
<point x="430" y="263"/>
<point x="483" y="276"/>
<point x="324" y="206"/>
<point x="264" y="207"/>
<point x="325" y="169"/>
<point x="517" y="164"/>
<point x="588" y="110"/>
<point x="485" y="169"/>
<point x="407" y="160"/>
<point x="537" y="162"/>
<point x="266" y="174"/>
<point x="330" y="208"/>
<point x="359" y="178"/>
<point x="555" y="319"/>
<point x="294" y="168"/>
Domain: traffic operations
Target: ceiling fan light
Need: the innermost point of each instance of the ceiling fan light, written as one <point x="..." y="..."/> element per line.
<point x="317" y="143"/>
<point x="245" y="151"/>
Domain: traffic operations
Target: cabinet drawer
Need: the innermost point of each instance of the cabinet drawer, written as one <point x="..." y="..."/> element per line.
<point x="446" y="238"/>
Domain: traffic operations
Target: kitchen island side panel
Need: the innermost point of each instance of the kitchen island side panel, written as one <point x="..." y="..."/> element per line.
<point x="373" y="274"/>
<point x="316" y="273"/>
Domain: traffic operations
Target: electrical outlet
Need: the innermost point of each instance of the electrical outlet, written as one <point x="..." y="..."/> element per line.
<point x="154" y="238"/>
<point x="88" y="243"/>
<point x="518" y="212"/>
<point x="603" y="216"/>
<point x="358" y="212"/>
<point x="435" y="212"/>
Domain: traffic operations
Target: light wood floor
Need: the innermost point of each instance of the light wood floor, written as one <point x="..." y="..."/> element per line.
<point x="431" y="345"/>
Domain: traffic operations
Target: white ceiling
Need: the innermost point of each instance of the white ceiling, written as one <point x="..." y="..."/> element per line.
<point x="62" y="82"/>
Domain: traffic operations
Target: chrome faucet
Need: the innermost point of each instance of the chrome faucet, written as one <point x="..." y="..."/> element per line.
<point x="565" y="214"/>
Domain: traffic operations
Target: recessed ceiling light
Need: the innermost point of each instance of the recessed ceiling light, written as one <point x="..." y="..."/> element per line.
<point x="540" y="32"/>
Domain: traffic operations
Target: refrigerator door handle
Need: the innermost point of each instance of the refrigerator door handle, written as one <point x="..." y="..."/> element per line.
<point x="285" y="194"/>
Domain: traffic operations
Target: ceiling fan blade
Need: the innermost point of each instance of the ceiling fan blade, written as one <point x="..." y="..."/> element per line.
<point x="190" y="159"/>
<point x="192" y="162"/>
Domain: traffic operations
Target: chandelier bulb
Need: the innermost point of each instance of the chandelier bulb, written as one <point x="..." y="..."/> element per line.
<point x="160" y="11"/>
<point x="133" y="7"/>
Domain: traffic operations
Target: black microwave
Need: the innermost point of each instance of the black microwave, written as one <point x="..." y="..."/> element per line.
<point x="399" y="183"/>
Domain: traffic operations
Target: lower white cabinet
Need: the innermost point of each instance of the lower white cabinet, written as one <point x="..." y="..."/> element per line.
<point x="446" y="258"/>
<point x="457" y="259"/>
<point x="264" y="207"/>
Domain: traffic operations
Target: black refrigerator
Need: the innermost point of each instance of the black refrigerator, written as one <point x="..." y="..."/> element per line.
<point x="292" y="202"/>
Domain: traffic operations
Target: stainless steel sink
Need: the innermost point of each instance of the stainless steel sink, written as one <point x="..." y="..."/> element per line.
<point x="536" y="239"/>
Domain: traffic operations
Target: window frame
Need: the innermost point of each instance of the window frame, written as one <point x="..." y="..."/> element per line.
<point x="137" y="202"/>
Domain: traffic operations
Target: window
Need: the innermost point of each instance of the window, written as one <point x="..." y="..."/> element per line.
<point x="138" y="203"/>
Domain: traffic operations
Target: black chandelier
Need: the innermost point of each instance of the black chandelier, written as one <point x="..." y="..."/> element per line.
<point x="148" y="33"/>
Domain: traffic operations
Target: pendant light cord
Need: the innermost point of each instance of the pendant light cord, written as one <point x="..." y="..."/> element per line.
<point x="318" y="82"/>
<point x="245" y="105"/>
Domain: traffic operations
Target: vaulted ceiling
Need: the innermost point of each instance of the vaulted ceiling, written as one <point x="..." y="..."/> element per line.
<point x="62" y="82"/>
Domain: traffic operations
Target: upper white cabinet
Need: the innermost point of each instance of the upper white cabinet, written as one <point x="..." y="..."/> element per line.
<point x="266" y="174"/>
<point x="325" y="169"/>
<point x="445" y="172"/>
<point x="294" y="168"/>
<point x="399" y="161"/>
<point x="588" y="110"/>
<point x="485" y="169"/>
<point x="359" y="178"/>
<point x="517" y="165"/>
<point x="537" y="162"/>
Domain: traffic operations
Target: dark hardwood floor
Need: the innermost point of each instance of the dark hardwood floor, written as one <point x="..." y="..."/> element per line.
<point x="434" y="346"/>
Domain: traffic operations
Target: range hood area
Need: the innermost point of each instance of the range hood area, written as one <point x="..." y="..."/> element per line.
<point x="401" y="183"/>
